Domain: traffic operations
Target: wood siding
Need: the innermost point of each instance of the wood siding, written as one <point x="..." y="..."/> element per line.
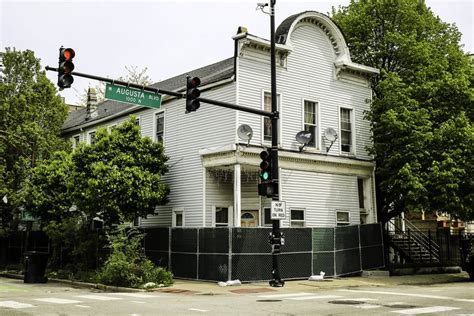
<point x="309" y="75"/>
<point x="320" y="195"/>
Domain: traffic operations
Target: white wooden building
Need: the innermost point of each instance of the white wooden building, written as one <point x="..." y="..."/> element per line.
<point x="213" y="174"/>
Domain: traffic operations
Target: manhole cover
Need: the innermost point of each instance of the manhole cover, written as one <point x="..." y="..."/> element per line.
<point x="346" y="302"/>
<point x="268" y="301"/>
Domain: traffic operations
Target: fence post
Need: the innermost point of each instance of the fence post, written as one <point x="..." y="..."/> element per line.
<point x="409" y="243"/>
<point x="429" y="245"/>
<point x="449" y="243"/>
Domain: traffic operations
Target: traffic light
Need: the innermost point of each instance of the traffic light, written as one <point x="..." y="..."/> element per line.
<point x="65" y="67"/>
<point x="266" y="165"/>
<point x="192" y="94"/>
<point x="266" y="187"/>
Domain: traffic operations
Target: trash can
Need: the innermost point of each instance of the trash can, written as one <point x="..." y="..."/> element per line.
<point x="35" y="266"/>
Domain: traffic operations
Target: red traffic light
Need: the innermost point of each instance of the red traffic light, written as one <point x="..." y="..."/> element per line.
<point x="192" y="94"/>
<point x="67" y="54"/>
<point x="65" y="67"/>
<point x="194" y="82"/>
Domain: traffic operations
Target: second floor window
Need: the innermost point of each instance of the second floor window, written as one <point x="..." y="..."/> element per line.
<point x="160" y="127"/>
<point x="311" y="121"/>
<point x="346" y="130"/>
<point x="267" y="122"/>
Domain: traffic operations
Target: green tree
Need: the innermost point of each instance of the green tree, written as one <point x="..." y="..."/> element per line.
<point x="117" y="179"/>
<point x="422" y="110"/>
<point x="31" y="116"/>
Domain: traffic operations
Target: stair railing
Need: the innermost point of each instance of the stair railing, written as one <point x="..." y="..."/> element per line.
<point x="413" y="234"/>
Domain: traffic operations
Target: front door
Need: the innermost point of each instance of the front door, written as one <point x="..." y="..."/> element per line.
<point x="249" y="219"/>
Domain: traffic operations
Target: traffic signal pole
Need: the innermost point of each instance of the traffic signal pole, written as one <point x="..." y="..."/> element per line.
<point x="276" y="237"/>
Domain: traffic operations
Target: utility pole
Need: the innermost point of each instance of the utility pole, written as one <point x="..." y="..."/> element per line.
<point x="276" y="237"/>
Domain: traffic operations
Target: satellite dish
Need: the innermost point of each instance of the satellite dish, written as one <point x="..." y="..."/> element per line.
<point x="331" y="135"/>
<point x="304" y="137"/>
<point x="245" y="132"/>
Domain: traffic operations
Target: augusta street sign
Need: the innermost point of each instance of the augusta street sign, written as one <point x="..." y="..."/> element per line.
<point x="132" y="96"/>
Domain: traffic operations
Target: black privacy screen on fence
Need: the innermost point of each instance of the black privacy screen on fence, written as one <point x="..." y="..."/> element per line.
<point x="230" y="253"/>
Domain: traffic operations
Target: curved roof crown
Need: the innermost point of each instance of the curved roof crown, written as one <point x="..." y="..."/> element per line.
<point x="284" y="30"/>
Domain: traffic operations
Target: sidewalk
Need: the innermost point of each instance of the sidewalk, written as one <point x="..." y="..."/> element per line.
<point x="212" y="288"/>
<point x="191" y="287"/>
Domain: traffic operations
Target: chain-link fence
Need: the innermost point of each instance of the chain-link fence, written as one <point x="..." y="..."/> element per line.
<point x="245" y="253"/>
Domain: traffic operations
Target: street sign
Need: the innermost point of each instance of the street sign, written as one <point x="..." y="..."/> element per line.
<point x="278" y="210"/>
<point x="133" y="96"/>
<point x="26" y="216"/>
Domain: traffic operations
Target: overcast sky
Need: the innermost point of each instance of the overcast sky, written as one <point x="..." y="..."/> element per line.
<point x="168" y="37"/>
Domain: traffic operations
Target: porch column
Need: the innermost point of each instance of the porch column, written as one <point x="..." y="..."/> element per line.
<point x="237" y="195"/>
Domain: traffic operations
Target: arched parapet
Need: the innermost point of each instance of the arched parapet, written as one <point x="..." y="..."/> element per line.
<point x="342" y="60"/>
<point x="322" y="21"/>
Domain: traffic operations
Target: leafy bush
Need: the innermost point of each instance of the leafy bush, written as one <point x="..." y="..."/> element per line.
<point x="127" y="264"/>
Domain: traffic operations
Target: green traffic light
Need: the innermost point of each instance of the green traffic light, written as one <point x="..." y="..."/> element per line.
<point x="265" y="175"/>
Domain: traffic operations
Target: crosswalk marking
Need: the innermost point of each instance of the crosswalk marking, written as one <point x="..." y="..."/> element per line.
<point x="14" y="304"/>
<point x="367" y="306"/>
<point x="284" y="295"/>
<point x="56" y="300"/>
<point x="362" y="299"/>
<point x="425" y="310"/>
<point x="437" y="297"/>
<point x="198" y="310"/>
<point x="313" y="297"/>
<point x="137" y="295"/>
<point x="99" y="297"/>
<point x="82" y="306"/>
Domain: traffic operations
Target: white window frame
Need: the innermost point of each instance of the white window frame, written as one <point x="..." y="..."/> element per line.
<point x="262" y="122"/>
<point x="298" y="220"/>
<point x="353" y="138"/>
<point x="111" y="127"/>
<point x="269" y="210"/>
<point x="316" y="137"/>
<point x="138" y="120"/>
<point x="155" y="125"/>
<point x="175" y="212"/>
<point x="229" y="216"/>
<point x="343" y="223"/>
<point x="73" y="140"/>
<point x="89" y="137"/>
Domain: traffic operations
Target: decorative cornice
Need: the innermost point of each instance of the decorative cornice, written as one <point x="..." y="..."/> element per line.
<point x="290" y="160"/>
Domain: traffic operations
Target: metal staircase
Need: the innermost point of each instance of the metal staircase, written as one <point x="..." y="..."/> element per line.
<point x="410" y="243"/>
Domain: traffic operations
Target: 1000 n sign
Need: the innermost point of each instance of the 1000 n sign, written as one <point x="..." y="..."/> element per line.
<point x="132" y="96"/>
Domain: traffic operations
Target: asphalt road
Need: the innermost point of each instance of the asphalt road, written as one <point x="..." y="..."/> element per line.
<point x="17" y="298"/>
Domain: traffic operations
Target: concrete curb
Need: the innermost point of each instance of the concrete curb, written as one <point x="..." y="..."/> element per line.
<point x="79" y="284"/>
